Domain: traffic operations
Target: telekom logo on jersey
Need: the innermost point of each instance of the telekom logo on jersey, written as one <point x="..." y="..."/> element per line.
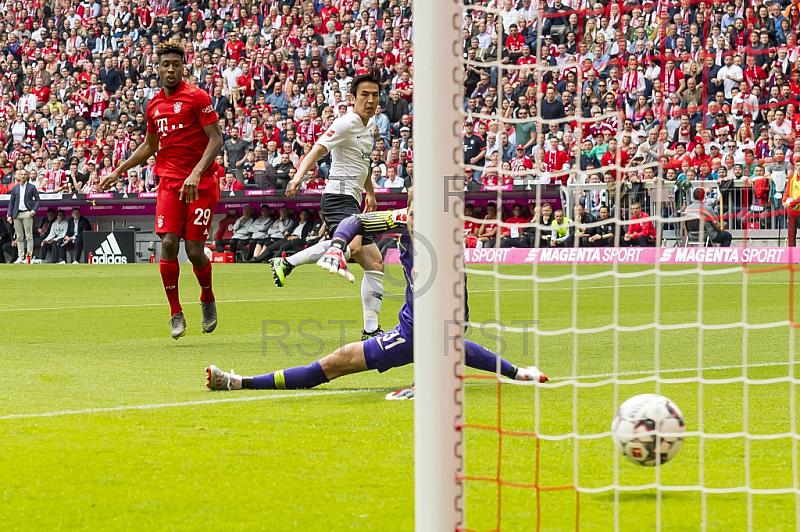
<point x="163" y="127"/>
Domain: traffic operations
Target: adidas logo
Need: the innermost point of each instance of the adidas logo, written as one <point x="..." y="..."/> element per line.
<point x="156" y="113"/>
<point x="109" y="252"/>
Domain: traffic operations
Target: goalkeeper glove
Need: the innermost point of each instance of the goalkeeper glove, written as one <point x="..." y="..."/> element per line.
<point x="334" y="261"/>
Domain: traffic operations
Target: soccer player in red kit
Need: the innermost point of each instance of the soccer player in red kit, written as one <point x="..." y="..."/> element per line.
<point x="183" y="133"/>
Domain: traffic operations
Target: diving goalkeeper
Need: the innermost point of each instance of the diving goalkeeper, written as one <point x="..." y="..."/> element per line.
<point x="389" y="349"/>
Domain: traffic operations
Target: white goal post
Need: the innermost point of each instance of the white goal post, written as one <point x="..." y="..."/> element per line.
<point x="439" y="286"/>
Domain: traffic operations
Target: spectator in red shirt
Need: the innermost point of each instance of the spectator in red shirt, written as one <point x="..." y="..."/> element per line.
<point x="639" y="233"/>
<point x="406" y="87"/>
<point x="514" y="43"/>
<point x="315" y="182"/>
<point x="470" y="227"/>
<point x="521" y="163"/>
<point x="487" y="233"/>
<point x="511" y="236"/>
<point x="41" y="92"/>
<point x="231" y="183"/>
<point x="234" y="47"/>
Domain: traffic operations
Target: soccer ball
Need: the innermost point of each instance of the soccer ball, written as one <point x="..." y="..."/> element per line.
<point x="635" y="425"/>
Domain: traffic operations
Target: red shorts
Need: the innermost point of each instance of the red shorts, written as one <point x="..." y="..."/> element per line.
<point x="190" y="221"/>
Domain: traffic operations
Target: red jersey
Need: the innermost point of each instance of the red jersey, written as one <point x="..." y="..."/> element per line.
<point x="233" y="49"/>
<point x="309" y="134"/>
<point x="521" y="163"/>
<point x="178" y="120"/>
<point x="717" y="129"/>
<point x="404" y="86"/>
<point x="671" y="81"/>
<point x="796" y="124"/>
<point x="58" y="178"/>
<point x="638" y="229"/>
<point x="555" y="160"/>
<point x="43" y="94"/>
<point x="315" y="183"/>
<point x="754" y="75"/>
<point x="506" y="230"/>
<point x="515" y="45"/>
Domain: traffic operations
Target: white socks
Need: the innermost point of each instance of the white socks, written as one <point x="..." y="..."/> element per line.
<point x="313" y="254"/>
<point x="310" y="254"/>
<point x="371" y="298"/>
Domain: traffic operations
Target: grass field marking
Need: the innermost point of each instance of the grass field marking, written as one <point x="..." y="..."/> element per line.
<point x="669" y="370"/>
<point x="156" y="406"/>
<point x="356" y="295"/>
<point x="562" y="381"/>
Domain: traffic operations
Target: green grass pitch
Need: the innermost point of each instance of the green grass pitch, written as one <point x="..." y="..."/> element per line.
<point x="105" y="423"/>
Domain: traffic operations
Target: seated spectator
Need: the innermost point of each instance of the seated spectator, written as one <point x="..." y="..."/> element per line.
<point x="706" y="220"/>
<point x="377" y="176"/>
<point x="470" y="227"/>
<point x="582" y="232"/>
<point x="315" y="182"/>
<point x="8" y="241"/>
<point x="76" y="227"/>
<point x="241" y="234"/>
<point x="563" y="232"/>
<point x="277" y="235"/>
<point x="258" y="233"/>
<point x="392" y="180"/>
<point x="542" y="229"/>
<point x="304" y="230"/>
<point x="513" y="236"/>
<point x="231" y="184"/>
<point x="282" y="170"/>
<point x="487" y="233"/>
<point x="639" y="233"/>
<point x="41" y="233"/>
<point x="604" y="234"/>
<point x="58" y="230"/>
<point x="225" y="228"/>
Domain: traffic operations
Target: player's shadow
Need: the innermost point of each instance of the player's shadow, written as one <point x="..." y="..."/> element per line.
<point x="648" y="495"/>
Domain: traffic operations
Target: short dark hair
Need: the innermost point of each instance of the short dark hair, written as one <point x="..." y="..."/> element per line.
<point x="698" y="194"/>
<point x="170" y="47"/>
<point x="373" y="75"/>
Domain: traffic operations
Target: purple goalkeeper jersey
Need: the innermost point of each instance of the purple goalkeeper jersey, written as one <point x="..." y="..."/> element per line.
<point x="379" y="222"/>
<point x="407" y="260"/>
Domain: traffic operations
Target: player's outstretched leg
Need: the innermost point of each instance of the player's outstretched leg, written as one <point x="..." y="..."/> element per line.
<point x="478" y="357"/>
<point x="281" y="268"/>
<point x="195" y="250"/>
<point x="345" y="361"/>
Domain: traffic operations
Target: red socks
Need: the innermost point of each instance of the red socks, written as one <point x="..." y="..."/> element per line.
<point x="204" y="278"/>
<point x="170" y="271"/>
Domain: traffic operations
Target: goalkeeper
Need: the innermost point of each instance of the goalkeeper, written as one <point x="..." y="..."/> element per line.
<point x="389" y="349"/>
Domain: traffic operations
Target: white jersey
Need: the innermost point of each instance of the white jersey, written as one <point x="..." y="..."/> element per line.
<point x="350" y="143"/>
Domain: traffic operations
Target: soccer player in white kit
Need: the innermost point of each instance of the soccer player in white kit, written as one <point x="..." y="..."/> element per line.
<point x="350" y="141"/>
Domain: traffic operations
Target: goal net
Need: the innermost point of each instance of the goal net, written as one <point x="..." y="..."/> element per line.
<point x="503" y="117"/>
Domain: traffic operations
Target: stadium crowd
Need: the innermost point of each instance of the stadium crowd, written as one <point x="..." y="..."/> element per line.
<point x="628" y="92"/>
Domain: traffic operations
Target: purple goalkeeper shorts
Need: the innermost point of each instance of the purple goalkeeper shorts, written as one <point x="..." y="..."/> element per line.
<point x="390" y="349"/>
